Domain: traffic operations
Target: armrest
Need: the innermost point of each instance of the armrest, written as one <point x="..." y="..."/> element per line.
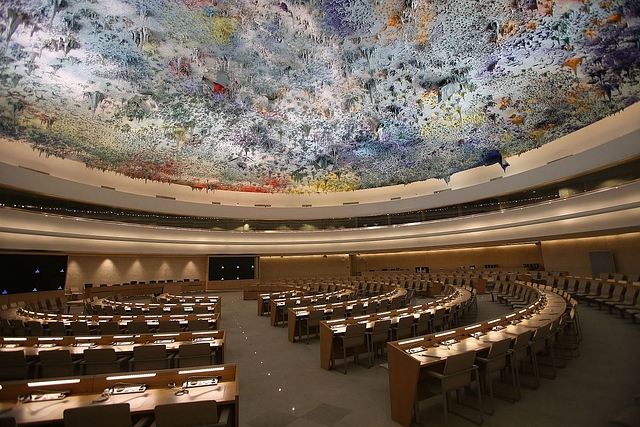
<point x="145" y="421"/>
<point x="223" y="420"/>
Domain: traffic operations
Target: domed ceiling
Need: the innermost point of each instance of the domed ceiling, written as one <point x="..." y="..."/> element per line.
<point x="309" y="95"/>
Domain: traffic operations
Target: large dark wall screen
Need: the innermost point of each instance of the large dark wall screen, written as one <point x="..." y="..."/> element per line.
<point x="232" y="268"/>
<point x="32" y="273"/>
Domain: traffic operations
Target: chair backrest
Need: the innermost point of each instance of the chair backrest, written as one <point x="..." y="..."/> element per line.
<point x="187" y="414"/>
<point x="57" y="329"/>
<point x="13" y="365"/>
<point x="109" y="328"/>
<point x="354" y="335"/>
<point x="457" y="371"/>
<point x="55" y="363"/>
<point x="113" y="414"/>
<point x="380" y="331"/>
<point x="137" y="327"/>
<point x="198" y="325"/>
<point x="422" y="325"/>
<point x="19" y="328"/>
<point x="80" y="328"/>
<point x="100" y="361"/>
<point x="169" y="326"/>
<point x="404" y="328"/>
<point x="35" y="328"/>
<point x="149" y="357"/>
<point x="314" y="318"/>
<point x="198" y="354"/>
<point x="338" y="312"/>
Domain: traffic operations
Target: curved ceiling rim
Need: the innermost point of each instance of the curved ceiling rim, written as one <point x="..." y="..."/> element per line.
<point x="607" y="142"/>
<point x="590" y="214"/>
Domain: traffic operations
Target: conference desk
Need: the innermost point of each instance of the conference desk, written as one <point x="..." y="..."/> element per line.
<point x="331" y="328"/>
<point x="123" y="344"/>
<point x="162" y="388"/>
<point x="301" y="312"/>
<point x="406" y="358"/>
<point x="265" y="299"/>
<point x="279" y="307"/>
<point x="124" y="290"/>
<point x="94" y="319"/>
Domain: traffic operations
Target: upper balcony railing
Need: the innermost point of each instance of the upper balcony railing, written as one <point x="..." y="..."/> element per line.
<point x="596" y="180"/>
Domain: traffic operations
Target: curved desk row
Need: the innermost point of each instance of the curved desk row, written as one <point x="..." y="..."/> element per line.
<point x="94" y="320"/>
<point x="331" y="328"/>
<point x="373" y="304"/>
<point x="123" y="344"/>
<point x="279" y="307"/>
<point x="42" y="403"/>
<point x="407" y="358"/>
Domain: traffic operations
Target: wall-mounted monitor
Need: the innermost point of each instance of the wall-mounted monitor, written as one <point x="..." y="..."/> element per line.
<point x="233" y="267"/>
<point x="32" y="273"/>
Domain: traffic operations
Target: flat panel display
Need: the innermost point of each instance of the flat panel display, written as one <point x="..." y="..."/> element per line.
<point x="32" y="273"/>
<point x="232" y="268"/>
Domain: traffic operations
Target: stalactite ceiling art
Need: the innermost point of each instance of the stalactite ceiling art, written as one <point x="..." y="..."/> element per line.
<point x="309" y="95"/>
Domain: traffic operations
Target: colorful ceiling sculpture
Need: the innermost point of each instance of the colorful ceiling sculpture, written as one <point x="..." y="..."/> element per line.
<point x="309" y="95"/>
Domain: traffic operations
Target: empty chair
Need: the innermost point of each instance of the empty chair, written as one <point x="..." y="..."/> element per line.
<point x="404" y="328"/>
<point x="8" y="422"/>
<point x="617" y="295"/>
<point x="113" y="414"/>
<point x="101" y="361"/>
<point x="35" y="328"/>
<point x="495" y="361"/>
<point x="422" y="325"/>
<point x="437" y="321"/>
<point x="137" y="327"/>
<point x="456" y="374"/>
<point x="57" y="329"/>
<point x="19" y="328"/>
<point x="191" y="414"/>
<point x="6" y="327"/>
<point x="517" y="354"/>
<point x="338" y="312"/>
<point x="156" y="311"/>
<point x="80" y="328"/>
<point x="371" y="308"/>
<point x="377" y="338"/>
<point x="198" y="354"/>
<point x="198" y="325"/>
<point x="354" y="338"/>
<point x="357" y="309"/>
<point x="150" y="358"/>
<point x="311" y="322"/>
<point x="55" y="363"/>
<point x="13" y="365"/>
<point x="109" y="328"/>
<point x="383" y="306"/>
<point x="169" y="326"/>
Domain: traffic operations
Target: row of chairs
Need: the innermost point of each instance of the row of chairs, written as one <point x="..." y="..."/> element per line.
<point x="357" y="336"/>
<point x="59" y="363"/>
<point x="18" y="328"/>
<point x="109" y="310"/>
<point x="507" y="357"/>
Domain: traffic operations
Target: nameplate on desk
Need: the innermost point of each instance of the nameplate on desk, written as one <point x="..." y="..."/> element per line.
<point x="45" y="345"/>
<point x="118" y="343"/>
<point x="201" y="382"/>
<point x="204" y="339"/>
<point x="477" y="335"/>
<point x="10" y="345"/>
<point x="497" y="328"/>
<point x="85" y="344"/>
<point x="165" y="341"/>
<point x="43" y="397"/>
<point x="415" y="349"/>
<point x="129" y="388"/>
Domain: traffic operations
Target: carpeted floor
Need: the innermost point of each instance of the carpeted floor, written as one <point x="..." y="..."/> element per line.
<point x="282" y="384"/>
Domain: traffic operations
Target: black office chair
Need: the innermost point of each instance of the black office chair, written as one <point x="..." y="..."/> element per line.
<point x="105" y="415"/>
<point x="189" y="355"/>
<point x="191" y="414"/>
<point x="150" y="358"/>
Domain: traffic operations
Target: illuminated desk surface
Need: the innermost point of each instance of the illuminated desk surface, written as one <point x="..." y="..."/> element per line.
<point x="87" y="390"/>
